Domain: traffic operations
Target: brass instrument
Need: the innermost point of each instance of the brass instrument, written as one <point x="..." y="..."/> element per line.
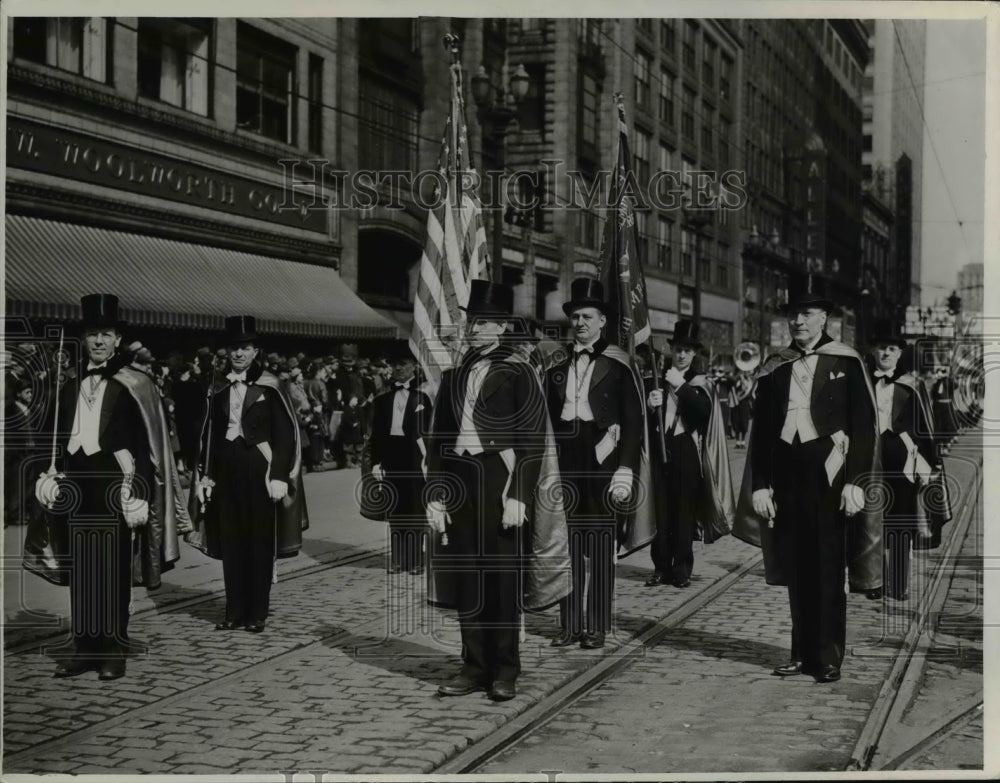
<point x="746" y="357"/>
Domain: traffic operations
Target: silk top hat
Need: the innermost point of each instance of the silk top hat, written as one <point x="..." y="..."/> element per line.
<point x="808" y="291"/>
<point x="886" y="331"/>
<point x="487" y="298"/>
<point x="399" y="351"/>
<point x="100" y="310"/>
<point x="685" y="335"/>
<point x="585" y="292"/>
<point x="240" y="329"/>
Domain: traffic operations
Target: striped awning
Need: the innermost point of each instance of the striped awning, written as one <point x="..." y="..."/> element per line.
<point x="161" y="282"/>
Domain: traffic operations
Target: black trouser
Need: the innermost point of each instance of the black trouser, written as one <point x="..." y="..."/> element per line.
<point x="672" y="550"/>
<point x="101" y="551"/>
<point x="591" y="524"/>
<point x="488" y="562"/>
<point x="246" y="516"/>
<point x="899" y="521"/>
<point x="810" y="538"/>
<point x="407" y="518"/>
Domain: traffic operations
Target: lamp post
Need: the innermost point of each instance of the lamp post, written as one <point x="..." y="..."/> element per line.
<point x="697" y="219"/>
<point x="497" y="112"/>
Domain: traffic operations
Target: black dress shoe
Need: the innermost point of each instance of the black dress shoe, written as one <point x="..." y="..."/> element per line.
<point x="460" y="685"/>
<point x="592" y="641"/>
<point x="788" y="669"/>
<point x="256" y="627"/>
<point x="75" y="666"/>
<point x="904" y="596"/>
<point x="112" y="669"/>
<point x="393" y="569"/>
<point x="827" y="673"/>
<point x="565" y="639"/>
<point x="656" y="579"/>
<point x="873" y="595"/>
<point x="503" y="690"/>
<point x="685" y="582"/>
<point x="228" y="625"/>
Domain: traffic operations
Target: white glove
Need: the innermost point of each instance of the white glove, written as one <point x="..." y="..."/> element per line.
<point x="47" y="488"/>
<point x="135" y="511"/>
<point x="621" y="485"/>
<point x="674" y="377"/>
<point x="437" y="517"/>
<point x="852" y="499"/>
<point x="763" y="504"/>
<point x="377" y="473"/>
<point x="277" y="489"/>
<point x="655" y="398"/>
<point x="204" y="490"/>
<point x="513" y="513"/>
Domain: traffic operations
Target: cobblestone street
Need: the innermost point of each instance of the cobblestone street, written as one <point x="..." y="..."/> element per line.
<point x="344" y="678"/>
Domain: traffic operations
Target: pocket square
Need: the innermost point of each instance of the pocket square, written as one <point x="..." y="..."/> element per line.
<point x="418" y="409"/>
<point x="835" y="375"/>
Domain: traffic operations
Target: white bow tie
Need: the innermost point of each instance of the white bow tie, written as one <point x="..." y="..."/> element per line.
<point x="233" y="377"/>
<point x="92" y="366"/>
<point x="883" y="373"/>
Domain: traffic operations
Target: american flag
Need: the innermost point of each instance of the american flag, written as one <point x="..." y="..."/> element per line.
<point x="621" y="264"/>
<point x="454" y="254"/>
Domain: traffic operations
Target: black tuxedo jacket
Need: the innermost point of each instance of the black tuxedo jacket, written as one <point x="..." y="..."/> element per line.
<point x="908" y="416"/>
<point x="416" y="423"/>
<point x="839" y="401"/>
<point x="264" y="418"/>
<point x="509" y="413"/>
<point x="613" y="398"/>
<point x="120" y="426"/>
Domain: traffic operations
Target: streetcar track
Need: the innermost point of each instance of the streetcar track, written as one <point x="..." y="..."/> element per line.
<point x="907" y="665"/>
<point x="938" y="733"/>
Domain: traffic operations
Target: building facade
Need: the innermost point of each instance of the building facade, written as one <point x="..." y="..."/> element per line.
<point x="150" y="158"/>
<point x="971" y="287"/>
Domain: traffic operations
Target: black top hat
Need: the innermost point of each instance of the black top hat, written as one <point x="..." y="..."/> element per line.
<point x="887" y="331"/>
<point x="101" y="310"/>
<point x="486" y="298"/>
<point x="523" y="330"/>
<point x="685" y="334"/>
<point x="586" y="292"/>
<point x="808" y="291"/>
<point x="240" y="329"/>
<point x="399" y="351"/>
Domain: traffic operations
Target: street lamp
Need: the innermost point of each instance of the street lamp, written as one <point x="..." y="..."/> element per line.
<point x="497" y="111"/>
<point x="697" y="219"/>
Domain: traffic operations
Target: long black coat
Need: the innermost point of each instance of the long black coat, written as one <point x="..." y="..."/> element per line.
<point x="401" y="457"/>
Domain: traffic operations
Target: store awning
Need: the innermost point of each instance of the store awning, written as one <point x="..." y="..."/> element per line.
<point x="162" y="282"/>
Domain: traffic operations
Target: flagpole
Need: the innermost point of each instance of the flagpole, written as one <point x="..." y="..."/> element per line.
<point x="624" y="279"/>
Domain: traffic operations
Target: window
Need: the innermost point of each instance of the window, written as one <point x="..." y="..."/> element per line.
<point x="589" y="31"/>
<point x="315" y="103"/>
<point x="722" y="274"/>
<point x="388" y="127"/>
<point x="690" y="34"/>
<point x="707" y="121"/>
<point x="646" y="25"/>
<point x="663" y="244"/>
<point x="687" y="114"/>
<point x="708" y="64"/>
<point x="588" y="229"/>
<point x="265" y="75"/>
<point x="668" y="35"/>
<point x="640" y="157"/>
<point x="78" y="44"/>
<point x="174" y="62"/>
<point x="641" y="237"/>
<point x="588" y="114"/>
<point x="667" y="98"/>
<point x="725" y="79"/>
<point x="666" y="161"/>
<point x="725" y="160"/>
<point x="531" y="112"/>
<point x="687" y="253"/>
<point x="641" y="79"/>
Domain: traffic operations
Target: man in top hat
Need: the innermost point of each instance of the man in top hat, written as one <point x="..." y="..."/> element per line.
<point x="249" y="480"/>
<point x="812" y="447"/>
<point x="597" y="414"/>
<point x="486" y="454"/>
<point x="691" y="403"/>
<point x="909" y="458"/>
<point x="127" y="504"/>
<point x="354" y="392"/>
<point x="401" y="420"/>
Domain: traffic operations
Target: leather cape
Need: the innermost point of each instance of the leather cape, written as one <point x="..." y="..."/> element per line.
<point x="864" y="530"/>
<point x="933" y="501"/>
<point x="46" y="544"/>
<point x="291" y="517"/>
<point x="716" y="503"/>
<point x="546" y="569"/>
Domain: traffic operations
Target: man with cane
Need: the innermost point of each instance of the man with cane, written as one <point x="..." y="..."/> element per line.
<point x="118" y="486"/>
